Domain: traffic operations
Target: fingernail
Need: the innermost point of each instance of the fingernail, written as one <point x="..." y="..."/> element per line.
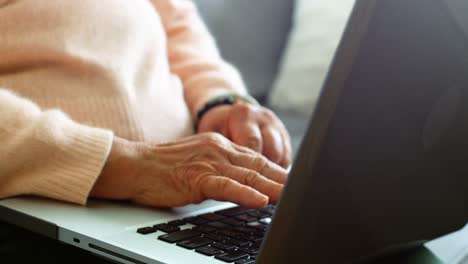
<point x="264" y="199"/>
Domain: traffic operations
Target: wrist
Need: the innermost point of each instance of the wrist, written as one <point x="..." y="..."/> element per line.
<point x="118" y="177"/>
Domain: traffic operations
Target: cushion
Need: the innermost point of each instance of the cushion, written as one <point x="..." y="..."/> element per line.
<point x="317" y="29"/>
<point x="251" y="35"/>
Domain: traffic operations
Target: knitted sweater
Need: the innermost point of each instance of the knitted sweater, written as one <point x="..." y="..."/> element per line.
<point x="75" y="73"/>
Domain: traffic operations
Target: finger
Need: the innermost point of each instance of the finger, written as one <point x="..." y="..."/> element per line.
<point x="224" y="189"/>
<point x="260" y="164"/>
<point x="287" y="153"/>
<point x="246" y="134"/>
<point x="214" y="120"/>
<point x="253" y="179"/>
<point x="272" y="144"/>
<point x="244" y="128"/>
<point x="271" y="119"/>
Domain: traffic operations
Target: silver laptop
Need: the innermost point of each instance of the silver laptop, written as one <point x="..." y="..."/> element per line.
<point x="383" y="166"/>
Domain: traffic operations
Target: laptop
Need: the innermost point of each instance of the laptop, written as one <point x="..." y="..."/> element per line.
<point x="383" y="165"/>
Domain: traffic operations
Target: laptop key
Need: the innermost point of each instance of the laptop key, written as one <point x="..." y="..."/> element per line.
<point x="146" y="230"/>
<point x="258" y="214"/>
<point x="216" y="237"/>
<point x="233" y="222"/>
<point x="195" y="220"/>
<point x="246" y="230"/>
<point x="246" y="244"/>
<point x="229" y="233"/>
<point x="212" y="217"/>
<point x="167" y="228"/>
<point x="178" y="222"/>
<point x="246" y="218"/>
<point x="233" y="211"/>
<point x="180" y="236"/>
<point x="223" y="246"/>
<point x="204" y="229"/>
<point x="218" y="225"/>
<point x="249" y="250"/>
<point x="269" y="209"/>
<point x="195" y="243"/>
<point x="232" y="256"/>
<point x="242" y="237"/>
<point x="245" y="261"/>
<point x="209" y="251"/>
<point x="238" y="243"/>
<point x="248" y="238"/>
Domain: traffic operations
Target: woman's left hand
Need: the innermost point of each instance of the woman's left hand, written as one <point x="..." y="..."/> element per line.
<point x="255" y="127"/>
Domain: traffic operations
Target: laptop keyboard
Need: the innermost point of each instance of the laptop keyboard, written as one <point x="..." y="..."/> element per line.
<point x="232" y="235"/>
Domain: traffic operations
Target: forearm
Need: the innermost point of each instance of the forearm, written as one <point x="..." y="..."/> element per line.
<point x="194" y="56"/>
<point x="45" y="153"/>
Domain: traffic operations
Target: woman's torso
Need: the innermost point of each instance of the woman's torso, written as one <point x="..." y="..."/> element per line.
<point x="104" y="63"/>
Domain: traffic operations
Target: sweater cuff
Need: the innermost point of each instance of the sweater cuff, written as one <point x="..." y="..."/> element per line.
<point x="81" y="156"/>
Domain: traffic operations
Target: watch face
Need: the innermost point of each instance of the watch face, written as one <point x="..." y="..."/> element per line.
<point x="245" y="99"/>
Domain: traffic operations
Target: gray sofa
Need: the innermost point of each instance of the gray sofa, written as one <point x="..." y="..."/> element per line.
<point x="252" y="35"/>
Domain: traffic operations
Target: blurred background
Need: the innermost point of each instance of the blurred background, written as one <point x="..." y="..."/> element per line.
<point x="283" y="49"/>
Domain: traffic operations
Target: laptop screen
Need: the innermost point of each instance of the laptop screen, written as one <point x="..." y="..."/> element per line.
<point x="385" y="160"/>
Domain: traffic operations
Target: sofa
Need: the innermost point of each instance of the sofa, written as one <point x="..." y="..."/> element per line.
<point x="252" y="35"/>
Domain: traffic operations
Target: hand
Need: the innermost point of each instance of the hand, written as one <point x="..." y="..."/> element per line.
<point x="193" y="169"/>
<point x="252" y="126"/>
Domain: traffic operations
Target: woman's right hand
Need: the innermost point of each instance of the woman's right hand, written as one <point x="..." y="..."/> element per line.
<point x="190" y="170"/>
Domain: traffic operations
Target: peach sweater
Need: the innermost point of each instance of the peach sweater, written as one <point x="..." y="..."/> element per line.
<point x="75" y="73"/>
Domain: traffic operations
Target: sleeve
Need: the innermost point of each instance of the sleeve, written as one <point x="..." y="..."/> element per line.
<point x="44" y="153"/>
<point x="194" y="56"/>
